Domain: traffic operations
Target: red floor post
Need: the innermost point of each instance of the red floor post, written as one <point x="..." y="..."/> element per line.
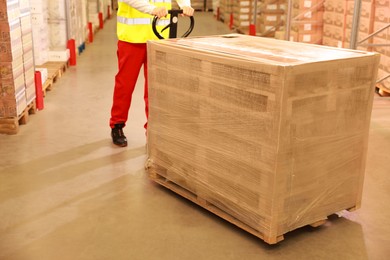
<point x="90" y="35"/>
<point x="38" y="90"/>
<point x="252" y="29"/>
<point x="231" y="21"/>
<point x="72" y="51"/>
<point x="101" y="22"/>
<point x="108" y="12"/>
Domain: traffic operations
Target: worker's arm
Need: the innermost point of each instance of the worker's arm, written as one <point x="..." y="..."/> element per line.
<point x="186" y="6"/>
<point x="146" y="7"/>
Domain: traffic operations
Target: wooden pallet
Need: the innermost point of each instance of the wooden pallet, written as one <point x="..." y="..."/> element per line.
<point x="11" y="125"/>
<point x="382" y="91"/>
<point x="47" y="86"/>
<point x="214" y="209"/>
<point x="55" y="71"/>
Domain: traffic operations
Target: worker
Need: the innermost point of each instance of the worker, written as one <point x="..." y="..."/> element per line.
<point x="134" y="29"/>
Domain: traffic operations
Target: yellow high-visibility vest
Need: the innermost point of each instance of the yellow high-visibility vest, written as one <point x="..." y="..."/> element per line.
<point x="136" y="27"/>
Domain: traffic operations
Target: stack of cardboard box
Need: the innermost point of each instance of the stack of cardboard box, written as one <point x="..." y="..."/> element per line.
<point x="243" y="14"/>
<point x="16" y="64"/>
<point x="271" y="135"/>
<point x="271" y="18"/>
<point x="382" y="19"/>
<point x="28" y="53"/>
<point x="226" y="10"/>
<point x="338" y="22"/>
<point x="307" y="21"/>
<point x="374" y="15"/>
<point x="40" y="31"/>
<point x="201" y="5"/>
<point x="93" y="13"/>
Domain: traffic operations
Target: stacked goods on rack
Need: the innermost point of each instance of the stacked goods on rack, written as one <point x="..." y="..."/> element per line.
<point x="270" y="135"/>
<point x="243" y="14"/>
<point x="382" y="20"/>
<point x="58" y="25"/>
<point x="93" y="13"/>
<point x="271" y="18"/>
<point x="199" y="5"/>
<point x="216" y="10"/>
<point x="40" y="31"/>
<point x="67" y="20"/>
<point x="226" y="10"/>
<point x="209" y="5"/>
<point x="104" y="5"/>
<point x="374" y="15"/>
<point x="16" y="65"/>
<point x="28" y="53"/>
<point x="338" y="22"/>
<point x="307" y="21"/>
<point x="82" y="22"/>
<point x="365" y="21"/>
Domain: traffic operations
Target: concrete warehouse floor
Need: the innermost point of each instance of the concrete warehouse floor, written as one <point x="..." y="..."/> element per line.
<point x="67" y="193"/>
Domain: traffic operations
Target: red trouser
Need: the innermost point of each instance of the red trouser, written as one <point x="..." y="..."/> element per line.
<point x="131" y="57"/>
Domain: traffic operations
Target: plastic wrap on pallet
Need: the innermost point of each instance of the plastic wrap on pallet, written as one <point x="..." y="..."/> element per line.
<point x="272" y="133"/>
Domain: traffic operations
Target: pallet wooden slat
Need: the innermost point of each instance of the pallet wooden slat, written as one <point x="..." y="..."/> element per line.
<point x="161" y="180"/>
<point x="11" y="125"/>
<point x="382" y="91"/>
<point x="55" y="71"/>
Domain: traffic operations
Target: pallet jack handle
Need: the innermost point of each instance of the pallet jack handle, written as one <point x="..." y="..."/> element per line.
<point x="172" y="25"/>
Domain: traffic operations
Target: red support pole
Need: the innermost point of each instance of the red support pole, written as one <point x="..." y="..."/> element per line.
<point x="72" y="51"/>
<point x="108" y="12"/>
<point x="101" y="22"/>
<point x="90" y="35"/>
<point x="231" y="21"/>
<point x="218" y="14"/>
<point x="38" y="90"/>
<point x="252" y="29"/>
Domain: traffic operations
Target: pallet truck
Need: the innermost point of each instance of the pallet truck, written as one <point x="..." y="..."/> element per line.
<point x="173" y="25"/>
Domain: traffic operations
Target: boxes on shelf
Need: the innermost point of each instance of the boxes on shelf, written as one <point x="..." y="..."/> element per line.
<point x="44" y="74"/>
<point x="40" y="31"/>
<point x="30" y="92"/>
<point x="13" y="106"/>
<point x="268" y="134"/>
<point x="60" y="55"/>
<point x="9" y="10"/>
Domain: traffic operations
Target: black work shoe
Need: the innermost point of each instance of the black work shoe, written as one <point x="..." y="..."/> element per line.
<point x="118" y="137"/>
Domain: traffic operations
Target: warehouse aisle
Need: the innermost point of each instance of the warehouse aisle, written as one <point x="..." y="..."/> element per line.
<point x="67" y="193"/>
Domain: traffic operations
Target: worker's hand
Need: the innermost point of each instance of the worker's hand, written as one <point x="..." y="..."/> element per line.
<point x="160" y="12"/>
<point x="188" y="11"/>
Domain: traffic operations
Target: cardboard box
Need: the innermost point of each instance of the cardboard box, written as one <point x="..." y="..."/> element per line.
<point x="13" y="106"/>
<point x="329" y="17"/>
<point x="11" y="86"/>
<point x="328" y="41"/>
<point x="63" y="55"/>
<point x="268" y="134"/>
<point x="382" y="14"/>
<point x="9" y="10"/>
<point x="315" y="38"/>
<point x="30" y="93"/>
<point x="10" y="31"/>
<point x="329" y="5"/>
<point x="280" y="35"/>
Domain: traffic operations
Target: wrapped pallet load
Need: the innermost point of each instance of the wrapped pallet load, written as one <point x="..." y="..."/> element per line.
<point x="270" y="135"/>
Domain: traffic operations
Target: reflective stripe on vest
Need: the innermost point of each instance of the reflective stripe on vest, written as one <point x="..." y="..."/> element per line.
<point x="136" y="27"/>
<point x="137" y="21"/>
